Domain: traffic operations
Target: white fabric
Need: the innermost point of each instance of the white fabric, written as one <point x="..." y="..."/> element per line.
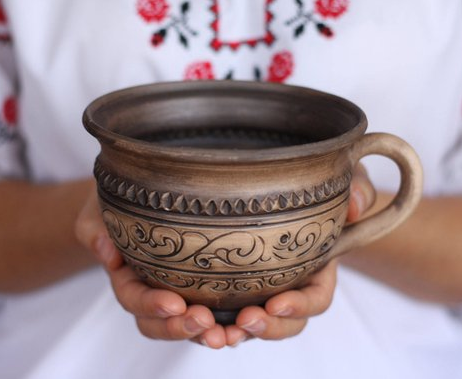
<point x="249" y="13"/>
<point x="400" y="60"/>
<point x="368" y="332"/>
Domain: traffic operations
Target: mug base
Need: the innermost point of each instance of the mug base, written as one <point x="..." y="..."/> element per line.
<point x="225" y="317"/>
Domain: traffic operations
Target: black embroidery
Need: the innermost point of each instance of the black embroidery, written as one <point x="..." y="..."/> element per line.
<point x="304" y="18"/>
<point x="158" y="11"/>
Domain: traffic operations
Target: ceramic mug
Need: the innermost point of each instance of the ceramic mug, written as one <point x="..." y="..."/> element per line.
<point x="231" y="192"/>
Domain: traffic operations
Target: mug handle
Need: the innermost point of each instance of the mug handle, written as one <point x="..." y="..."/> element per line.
<point x="404" y="202"/>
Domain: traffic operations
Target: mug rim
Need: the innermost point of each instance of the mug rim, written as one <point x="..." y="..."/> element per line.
<point x="213" y="155"/>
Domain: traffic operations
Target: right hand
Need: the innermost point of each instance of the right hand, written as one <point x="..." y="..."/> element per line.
<point x="160" y="314"/>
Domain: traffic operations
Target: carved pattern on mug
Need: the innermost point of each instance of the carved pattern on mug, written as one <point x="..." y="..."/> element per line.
<point x="167" y="278"/>
<point x="289" y="246"/>
<point x="183" y="204"/>
<point x="232" y="249"/>
<point x="168" y="245"/>
<point x="232" y="284"/>
<point x="183" y="280"/>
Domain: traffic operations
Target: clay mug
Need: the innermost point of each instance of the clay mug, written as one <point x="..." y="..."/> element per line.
<point x="230" y="192"/>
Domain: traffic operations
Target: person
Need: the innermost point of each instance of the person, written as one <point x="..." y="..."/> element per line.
<point x="397" y="301"/>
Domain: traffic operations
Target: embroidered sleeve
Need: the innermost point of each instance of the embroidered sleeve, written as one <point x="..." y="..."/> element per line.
<point x="11" y="146"/>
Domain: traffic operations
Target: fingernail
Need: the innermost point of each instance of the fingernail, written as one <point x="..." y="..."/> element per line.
<point x="239" y="341"/>
<point x="360" y="200"/>
<point x="284" y="312"/>
<point x="254" y="326"/>
<point x="105" y="249"/>
<point x="165" y="312"/>
<point x="194" y="326"/>
<point x="204" y="342"/>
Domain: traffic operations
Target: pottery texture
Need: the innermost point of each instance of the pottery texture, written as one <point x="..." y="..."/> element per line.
<point x="231" y="192"/>
<point x="242" y="264"/>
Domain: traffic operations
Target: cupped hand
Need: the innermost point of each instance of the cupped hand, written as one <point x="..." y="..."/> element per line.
<point x="287" y="314"/>
<point x="160" y="314"/>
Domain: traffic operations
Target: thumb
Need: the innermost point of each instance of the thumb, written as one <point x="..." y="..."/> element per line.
<point x="92" y="233"/>
<point x="362" y="194"/>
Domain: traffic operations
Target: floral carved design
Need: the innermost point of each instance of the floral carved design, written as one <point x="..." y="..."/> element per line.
<point x="170" y="279"/>
<point x="265" y="279"/>
<point x="290" y="246"/>
<point x="165" y="244"/>
<point x="184" y="204"/>
<point x="205" y="251"/>
<point x="295" y="245"/>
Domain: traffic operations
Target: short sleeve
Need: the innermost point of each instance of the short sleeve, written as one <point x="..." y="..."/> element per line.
<point x="11" y="145"/>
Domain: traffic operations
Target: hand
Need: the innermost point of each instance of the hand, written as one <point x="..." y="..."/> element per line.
<point x="160" y="314"/>
<point x="362" y="194"/>
<point x="287" y="314"/>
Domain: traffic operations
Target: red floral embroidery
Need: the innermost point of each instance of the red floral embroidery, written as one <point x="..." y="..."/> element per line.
<point x="172" y="22"/>
<point x="199" y="71"/>
<point x="325" y="8"/>
<point x="331" y="8"/>
<point x="152" y="10"/>
<point x="3" y="18"/>
<point x="281" y="67"/>
<point x="9" y="111"/>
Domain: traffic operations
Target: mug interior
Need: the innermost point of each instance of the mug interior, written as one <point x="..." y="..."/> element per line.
<point x="223" y="115"/>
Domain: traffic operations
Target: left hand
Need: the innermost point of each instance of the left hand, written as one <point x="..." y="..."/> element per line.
<point x="287" y="314"/>
<point x="159" y="314"/>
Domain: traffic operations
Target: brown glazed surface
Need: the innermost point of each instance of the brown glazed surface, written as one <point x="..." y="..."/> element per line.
<point x="231" y="192"/>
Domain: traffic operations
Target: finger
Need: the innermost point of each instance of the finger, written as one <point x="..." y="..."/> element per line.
<point x="362" y="194"/>
<point x="286" y="315"/>
<point x="142" y="300"/>
<point x="235" y="335"/>
<point x="255" y="321"/>
<point x="194" y="322"/>
<point x="106" y="252"/>
<point x="214" y="337"/>
<point x="312" y="300"/>
<point x="89" y="224"/>
<point x="91" y="231"/>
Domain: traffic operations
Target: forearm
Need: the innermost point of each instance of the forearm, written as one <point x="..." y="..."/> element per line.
<point x="37" y="240"/>
<point x="423" y="257"/>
